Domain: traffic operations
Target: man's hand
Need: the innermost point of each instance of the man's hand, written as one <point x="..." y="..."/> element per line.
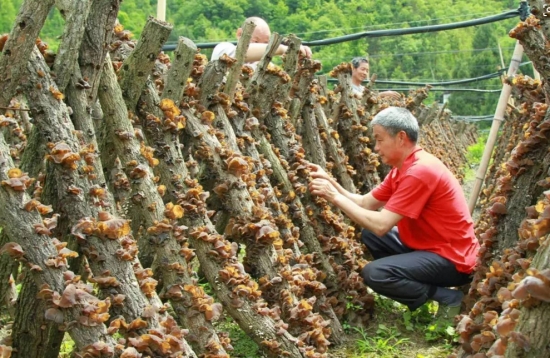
<point x="305" y="51"/>
<point x="317" y="172"/>
<point x="323" y="188"/>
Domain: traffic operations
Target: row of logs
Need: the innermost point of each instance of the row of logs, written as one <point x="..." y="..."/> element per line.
<point x="145" y="166"/>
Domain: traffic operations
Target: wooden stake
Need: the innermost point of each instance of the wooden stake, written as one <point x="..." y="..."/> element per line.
<point x="499" y="117"/>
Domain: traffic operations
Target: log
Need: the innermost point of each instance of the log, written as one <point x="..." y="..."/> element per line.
<point x="80" y="203"/>
<point x="176" y="78"/>
<point x="275" y="294"/>
<point x="136" y="68"/>
<point x="36" y="251"/>
<point x="235" y="72"/>
<point x="354" y="134"/>
<point x="238" y="203"/>
<point x="66" y="59"/>
<point x="19" y="46"/>
<point x="160" y="249"/>
<point x="96" y="43"/>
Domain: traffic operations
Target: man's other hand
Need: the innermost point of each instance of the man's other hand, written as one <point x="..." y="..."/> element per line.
<point x="323" y="188"/>
<point x="305" y="51"/>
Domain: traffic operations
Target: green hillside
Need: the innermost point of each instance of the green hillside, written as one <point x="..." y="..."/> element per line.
<point x="439" y="56"/>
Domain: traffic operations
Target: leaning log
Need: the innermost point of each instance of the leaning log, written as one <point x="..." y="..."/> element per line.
<point x="18" y="48"/>
<point x="22" y="222"/>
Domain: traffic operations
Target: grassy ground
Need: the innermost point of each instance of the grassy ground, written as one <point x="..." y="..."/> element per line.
<point x="393" y="332"/>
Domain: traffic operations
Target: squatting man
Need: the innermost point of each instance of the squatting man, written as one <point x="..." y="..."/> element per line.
<point x="422" y="240"/>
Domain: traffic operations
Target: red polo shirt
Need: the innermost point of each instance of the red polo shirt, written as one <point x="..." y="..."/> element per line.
<point x="435" y="213"/>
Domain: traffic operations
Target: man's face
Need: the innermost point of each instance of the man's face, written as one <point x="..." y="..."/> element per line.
<point x="360" y="73"/>
<point x="387" y="147"/>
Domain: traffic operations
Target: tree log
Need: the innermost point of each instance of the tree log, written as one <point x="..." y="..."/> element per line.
<point x="136" y="68"/>
<point x="179" y="72"/>
<point x="73" y="32"/>
<point x="19" y="46"/>
<point x="38" y="250"/>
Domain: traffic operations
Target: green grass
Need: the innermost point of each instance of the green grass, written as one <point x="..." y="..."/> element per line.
<point x="67" y="347"/>
<point x="243" y="345"/>
<point x="395" y="331"/>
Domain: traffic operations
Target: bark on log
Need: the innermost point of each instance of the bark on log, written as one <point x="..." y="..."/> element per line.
<point x="33" y="335"/>
<point x="235" y="72"/>
<point x="8" y="272"/>
<point x="96" y="43"/>
<point x="286" y="141"/>
<point x="334" y="152"/>
<point x="275" y="294"/>
<point x="66" y="59"/>
<point x="355" y="135"/>
<point x="179" y="72"/>
<point x="196" y="218"/>
<point x="310" y="135"/>
<point x="38" y="251"/>
<point x="162" y="250"/>
<point x="532" y="320"/>
<point x="136" y="68"/>
<point x="539" y="9"/>
<point x="309" y="216"/>
<point x="105" y="256"/>
<point x="534" y="42"/>
<point x="19" y="46"/>
<point x="145" y="205"/>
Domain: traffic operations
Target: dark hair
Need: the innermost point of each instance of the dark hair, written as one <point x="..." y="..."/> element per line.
<point x="357" y="61"/>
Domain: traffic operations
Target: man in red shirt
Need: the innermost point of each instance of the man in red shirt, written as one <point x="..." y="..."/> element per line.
<point x="422" y="239"/>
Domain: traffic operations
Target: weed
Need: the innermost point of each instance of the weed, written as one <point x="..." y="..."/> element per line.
<point x="243" y="345"/>
<point x="350" y="305"/>
<point x="346" y="327"/>
<point x="206" y="288"/>
<point x="386" y="341"/>
<point x="436" y="332"/>
<point x="67" y="347"/>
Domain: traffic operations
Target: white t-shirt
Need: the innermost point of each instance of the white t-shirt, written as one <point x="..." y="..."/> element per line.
<point x="227" y="48"/>
<point x="357" y="89"/>
<point x="222" y="48"/>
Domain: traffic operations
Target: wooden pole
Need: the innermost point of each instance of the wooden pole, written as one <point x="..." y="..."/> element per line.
<point x="499" y="117"/>
<point x="161" y="10"/>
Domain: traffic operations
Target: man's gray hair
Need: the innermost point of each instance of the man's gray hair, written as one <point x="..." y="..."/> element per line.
<point x="396" y="119"/>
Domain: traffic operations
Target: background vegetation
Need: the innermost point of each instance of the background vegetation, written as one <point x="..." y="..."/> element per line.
<point x="440" y="56"/>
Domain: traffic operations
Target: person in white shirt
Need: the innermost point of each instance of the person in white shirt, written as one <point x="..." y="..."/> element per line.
<point x="258" y="44"/>
<point x="359" y="73"/>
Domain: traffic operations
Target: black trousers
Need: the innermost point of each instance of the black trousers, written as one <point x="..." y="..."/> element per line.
<point x="404" y="275"/>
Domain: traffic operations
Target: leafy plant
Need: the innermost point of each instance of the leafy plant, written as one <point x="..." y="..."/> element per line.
<point x="386" y="341"/>
<point x="350" y="305"/>
<point x="243" y="345"/>
<point x="436" y="331"/>
<point x="67" y="347"/>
